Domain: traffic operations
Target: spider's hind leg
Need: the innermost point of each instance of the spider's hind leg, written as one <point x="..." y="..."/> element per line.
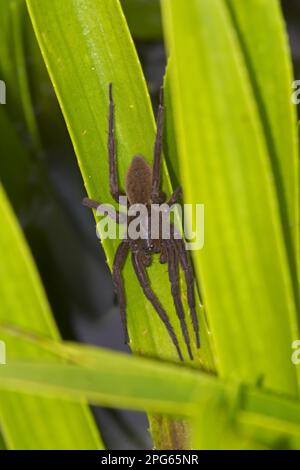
<point x="175" y="289"/>
<point x="144" y="281"/>
<point x="118" y="264"/>
<point x="189" y="278"/>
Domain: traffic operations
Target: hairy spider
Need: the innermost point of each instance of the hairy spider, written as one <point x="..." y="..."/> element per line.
<point x="143" y="187"/>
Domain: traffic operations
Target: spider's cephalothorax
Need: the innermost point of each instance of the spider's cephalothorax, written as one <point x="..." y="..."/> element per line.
<point x="143" y="187"/>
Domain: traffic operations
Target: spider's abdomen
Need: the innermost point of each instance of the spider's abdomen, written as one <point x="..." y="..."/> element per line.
<point x="139" y="181"/>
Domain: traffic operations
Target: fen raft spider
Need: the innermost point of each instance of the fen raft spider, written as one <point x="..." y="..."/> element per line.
<point x="143" y="187"/>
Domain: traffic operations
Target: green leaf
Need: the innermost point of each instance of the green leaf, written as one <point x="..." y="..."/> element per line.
<point x="2" y="443"/>
<point x="92" y="50"/>
<point x="170" y="146"/>
<point x="83" y="55"/>
<point x="225" y="163"/>
<point x="248" y="413"/>
<point x="266" y="54"/>
<point x="53" y="423"/>
<point x="13" y="67"/>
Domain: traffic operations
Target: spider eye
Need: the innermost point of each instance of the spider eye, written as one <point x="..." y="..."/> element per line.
<point x="150" y="247"/>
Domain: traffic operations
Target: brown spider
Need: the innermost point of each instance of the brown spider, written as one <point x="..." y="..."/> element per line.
<point x="143" y="187"/>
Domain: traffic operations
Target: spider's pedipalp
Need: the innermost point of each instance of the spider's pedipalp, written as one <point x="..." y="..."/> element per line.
<point x="163" y="254"/>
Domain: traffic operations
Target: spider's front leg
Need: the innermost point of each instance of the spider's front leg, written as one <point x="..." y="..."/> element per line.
<point x="155" y="191"/>
<point x="118" y="264"/>
<point x="143" y="278"/>
<point x="113" y="174"/>
<point x="176" y="194"/>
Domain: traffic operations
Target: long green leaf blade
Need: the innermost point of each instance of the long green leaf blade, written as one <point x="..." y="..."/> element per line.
<point x="82" y="60"/>
<point x="247" y="417"/>
<point x="263" y="39"/>
<point x="53" y="423"/>
<point x="225" y="164"/>
<point x="160" y="388"/>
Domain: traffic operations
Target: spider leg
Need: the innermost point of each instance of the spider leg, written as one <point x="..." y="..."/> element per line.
<point x="113" y="175"/>
<point x="176" y="194"/>
<point x="87" y="202"/>
<point x="189" y="278"/>
<point x="144" y="281"/>
<point x="155" y="192"/>
<point x="175" y="289"/>
<point x="118" y="264"/>
<point x="115" y="215"/>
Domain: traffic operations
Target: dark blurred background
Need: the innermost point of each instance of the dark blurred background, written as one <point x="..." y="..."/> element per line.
<point x="61" y="232"/>
<point x="291" y="11"/>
